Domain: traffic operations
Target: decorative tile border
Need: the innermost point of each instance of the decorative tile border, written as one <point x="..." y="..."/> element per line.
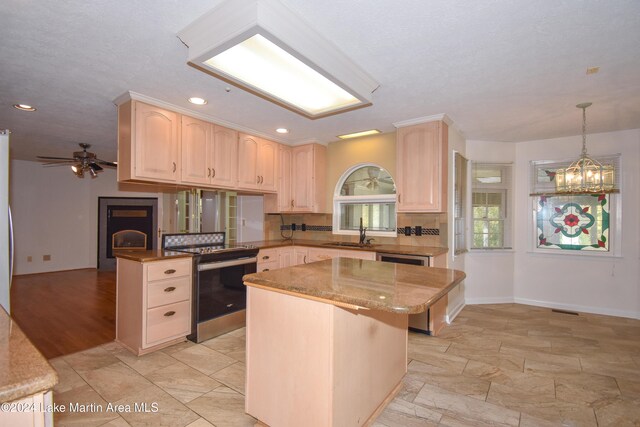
<point x="400" y="230"/>
<point x="412" y="231"/>
<point x="189" y="239"/>
<point x="307" y="227"/>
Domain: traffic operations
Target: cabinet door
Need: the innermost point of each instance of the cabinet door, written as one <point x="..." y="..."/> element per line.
<point x="285" y="256"/>
<point x="300" y="255"/>
<point x="285" y="202"/>
<point x="224" y="161"/>
<point x="156" y="143"/>
<point x="196" y="139"/>
<point x="267" y="165"/>
<point x="422" y="168"/>
<point x="321" y="254"/>
<point x="248" y="162"/>
<point x="302" y="184"/>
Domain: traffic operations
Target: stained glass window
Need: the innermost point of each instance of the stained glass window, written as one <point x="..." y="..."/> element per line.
<point x="573" y="222"/>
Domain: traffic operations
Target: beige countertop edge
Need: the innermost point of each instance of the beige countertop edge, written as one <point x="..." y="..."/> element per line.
<point x="148" y="256"/>
<point x="28" y="372"/>
<point x="396" y="249"/>
<point x="341" y="299"/>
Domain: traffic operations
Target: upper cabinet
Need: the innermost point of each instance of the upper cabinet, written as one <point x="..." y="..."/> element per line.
<point x="148" y="143"/>
<point x="301" y="180"/>
<point x="421" y="169"/>
<point x="257" y="163"/>
<point x="209" y="154"/>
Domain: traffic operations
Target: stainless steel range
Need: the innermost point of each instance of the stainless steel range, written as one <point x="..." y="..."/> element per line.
<point x="219" y="295"/>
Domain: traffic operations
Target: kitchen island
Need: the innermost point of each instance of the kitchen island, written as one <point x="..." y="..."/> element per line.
<point x="327" y="341"/>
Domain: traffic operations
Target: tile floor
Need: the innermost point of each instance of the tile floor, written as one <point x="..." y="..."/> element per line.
<point x="503" y="364"/>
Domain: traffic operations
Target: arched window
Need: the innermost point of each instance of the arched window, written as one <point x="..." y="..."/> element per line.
<point x="365" y="191"/>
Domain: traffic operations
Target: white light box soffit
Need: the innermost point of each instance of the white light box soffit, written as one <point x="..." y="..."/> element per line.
<point x="264" y="47"/>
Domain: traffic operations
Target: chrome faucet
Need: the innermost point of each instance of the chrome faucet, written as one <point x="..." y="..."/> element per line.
<point x="363" y="233"/>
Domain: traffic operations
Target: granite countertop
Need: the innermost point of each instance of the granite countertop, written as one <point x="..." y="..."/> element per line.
<point x="393" y="249"/>
<point x="151" y="255"/>
<point x="23" y="370"/>
<point x="398" y="288"/>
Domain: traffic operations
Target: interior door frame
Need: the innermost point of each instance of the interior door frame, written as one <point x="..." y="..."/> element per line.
<point x="102" y="262"/>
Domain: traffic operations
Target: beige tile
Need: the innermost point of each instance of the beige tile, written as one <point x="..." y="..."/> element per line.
<point x="182" y="382"/>
<point x="417" y="340"/>
<point x="231" y="345"/>
<point x="437" y="358"/>
<point x="540" y="355"/>
<point x="409" y="409"/>
<point x="551" y="370"/>
<point x="232" y="376"/>
<point x="222" y="407"/>
<point x="470" y="338"/>
<point x="89" y="360"/>
<point x="451" y="381"/>
<point x="391" y="418"/>
<point x="200" y="422"/>
<point x="541" y="405"/>
<point x="118" y="422"/>
<point x="68" y="379"/>
<point x="627" y="370"/>
<point x="465" y="408"/>
<point x="630" y="389"/>
<point x="203" y="359"/>
<point x="527" y="420"/>
<point x="83" y="407"/>
<point x="178" y="347"/>
<point x="501" y="360"/>
<point x="147" y="363"/>
<point x="153" y="407"/>
<point x="586" y="389"/>
<point x="617" y="412"/>
<point x="525" y="382"/>
<point x="116" y="381"/>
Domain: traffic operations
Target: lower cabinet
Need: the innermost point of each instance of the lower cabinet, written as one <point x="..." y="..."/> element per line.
<point x="29" y="411"/>
<point x="272" y="258"/>
<point x="153" y="308"/>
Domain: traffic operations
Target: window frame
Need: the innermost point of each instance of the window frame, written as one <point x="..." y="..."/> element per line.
<point x="339" y="200"/>
<point x="502" y="218"/>
<point x="506" y="188"/>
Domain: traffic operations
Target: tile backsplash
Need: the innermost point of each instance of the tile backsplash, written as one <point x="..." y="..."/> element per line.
<point x="319" y="226"/>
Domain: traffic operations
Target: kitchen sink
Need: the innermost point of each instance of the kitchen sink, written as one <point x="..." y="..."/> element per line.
<point x="348" y="244"/>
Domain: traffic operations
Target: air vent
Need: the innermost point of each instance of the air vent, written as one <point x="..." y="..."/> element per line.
<point x="573" y="313"/>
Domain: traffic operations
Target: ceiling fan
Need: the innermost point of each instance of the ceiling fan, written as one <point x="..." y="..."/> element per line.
<point x="80" y="162"/>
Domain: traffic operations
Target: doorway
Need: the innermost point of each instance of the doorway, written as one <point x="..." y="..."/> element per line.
<point x="126" y="223"/>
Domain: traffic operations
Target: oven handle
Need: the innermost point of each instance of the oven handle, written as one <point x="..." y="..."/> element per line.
<point x="222" y="264"/>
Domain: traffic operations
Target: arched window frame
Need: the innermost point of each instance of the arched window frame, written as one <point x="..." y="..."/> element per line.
<point x="339" y="200"/>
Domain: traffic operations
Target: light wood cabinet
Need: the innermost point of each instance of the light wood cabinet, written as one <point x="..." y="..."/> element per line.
<point x="148" y="143"/>
<point x="257" y="163"/>
<point x="421" y="169"/>
<point x="300" y="255"/>
<point x="153" y="303"/>
<point x="346" y="253"/>
<point x="209" y="154"/>
<point x="268" y="259"/>
<point x="286" y="256"/>
<point x="301" y="180"/>
<point x="30" y="411"/>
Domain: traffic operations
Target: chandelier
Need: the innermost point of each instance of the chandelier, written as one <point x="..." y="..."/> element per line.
<point x="585" y="175"/>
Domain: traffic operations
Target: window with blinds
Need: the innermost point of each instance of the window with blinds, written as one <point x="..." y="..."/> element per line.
<point x="490" y="199"/>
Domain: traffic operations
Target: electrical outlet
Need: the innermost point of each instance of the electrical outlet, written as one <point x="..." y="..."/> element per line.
<point x="29" y="258"/>
<point x="304" y="227"/>
<point x="418" y="230"/>
<point x="46" y="257"/>
<point x="407" y="231"/>
<point x="293" y="226"/>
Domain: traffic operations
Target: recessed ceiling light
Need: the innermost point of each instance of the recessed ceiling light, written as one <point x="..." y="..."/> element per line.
<point x="197" y="101"/>
<point x="359" y="134"/>
<point x="24" y="107"/>
<point x="282" y="130"/>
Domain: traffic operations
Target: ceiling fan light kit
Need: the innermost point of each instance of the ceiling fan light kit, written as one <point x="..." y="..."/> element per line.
<point x="82" y="161"/>
<point x="265" y="48"/>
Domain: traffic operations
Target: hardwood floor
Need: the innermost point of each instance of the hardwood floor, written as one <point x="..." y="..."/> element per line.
<point x="67" y="311"/>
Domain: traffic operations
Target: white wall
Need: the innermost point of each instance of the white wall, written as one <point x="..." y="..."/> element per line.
<point x="490" y="273"/>
<point x="250" y="218"/>
<point x="56" y="214"/>
<point x="603" y="285"/>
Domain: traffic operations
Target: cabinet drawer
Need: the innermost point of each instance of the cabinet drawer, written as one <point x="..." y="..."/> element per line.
<point x="268" y="255"/>
<point x="168" y="322"/>
<point x="168" y="269"/>
<point x="271" y="265"/>
<point x="168" y="291"/>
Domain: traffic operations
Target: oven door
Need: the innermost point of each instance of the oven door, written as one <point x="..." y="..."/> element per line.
<point x="220" y="289"/>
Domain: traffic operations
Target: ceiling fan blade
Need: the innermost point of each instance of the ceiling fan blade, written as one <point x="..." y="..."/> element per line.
<point x="48" y="165"/>
<point x="96" y="167"/>
<point x="105" y="163"/>
<point x="56" y="158"/>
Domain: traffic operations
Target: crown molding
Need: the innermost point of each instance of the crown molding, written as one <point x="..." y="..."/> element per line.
<point x="196" y="114"/>
<point x="425" y="119"/>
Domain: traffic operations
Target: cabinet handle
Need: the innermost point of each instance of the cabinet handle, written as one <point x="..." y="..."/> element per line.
<point x="170" y="271"/>
<point x="266" y="269"/>
<point x="169" y="313"/>
<point x="399" y="198"/>
<point x="208" y="172"/>
<point x="213" y="174"/>
<point x="170" y="289"/>
<point x="291" y="202"/>
<point x="174" y="166"/>
<point x="304" y="260"/>
<point x="258" y="180"/>
<point x="265" y="257"/>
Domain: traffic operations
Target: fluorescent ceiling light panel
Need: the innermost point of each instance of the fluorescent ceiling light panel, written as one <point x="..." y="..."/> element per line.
<point x="359" y="134"/>
<point x="264" y="47"/>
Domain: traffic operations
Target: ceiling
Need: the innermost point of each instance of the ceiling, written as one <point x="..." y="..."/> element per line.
<point x="501" y="70"/>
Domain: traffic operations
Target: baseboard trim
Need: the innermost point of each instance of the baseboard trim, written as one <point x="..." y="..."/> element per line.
<point x="579" y="308"/>
<point x="490" y="300"/>
<point x="454" y="313"/>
